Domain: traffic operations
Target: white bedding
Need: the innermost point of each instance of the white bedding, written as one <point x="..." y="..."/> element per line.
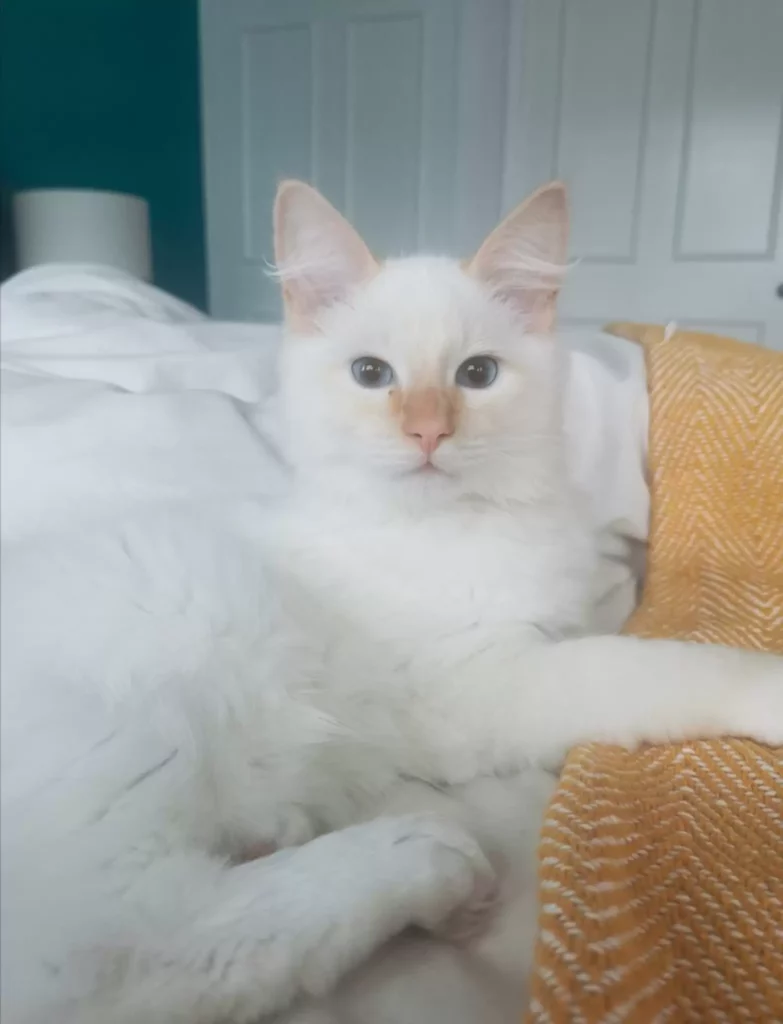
<point x="116" y="395"/>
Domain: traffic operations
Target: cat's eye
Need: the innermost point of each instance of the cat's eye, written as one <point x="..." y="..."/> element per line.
<point x="477" y="372"/>
<point x="372" y="373"/>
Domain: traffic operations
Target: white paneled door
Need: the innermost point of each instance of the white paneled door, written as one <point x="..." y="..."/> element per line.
<point x="426" y="119"/>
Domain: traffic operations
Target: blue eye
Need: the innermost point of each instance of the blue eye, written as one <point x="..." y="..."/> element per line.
<point x="371" y="372"/>
<point x="477" y="372"/>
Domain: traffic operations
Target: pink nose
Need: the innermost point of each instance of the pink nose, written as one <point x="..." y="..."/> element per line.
<point x="429" y="435"/>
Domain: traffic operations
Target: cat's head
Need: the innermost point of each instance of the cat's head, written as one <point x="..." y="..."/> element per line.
<point x="423" y="374"/>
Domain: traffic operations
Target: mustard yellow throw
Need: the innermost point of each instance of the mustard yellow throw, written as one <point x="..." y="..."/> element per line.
<point x="661" y="871"/>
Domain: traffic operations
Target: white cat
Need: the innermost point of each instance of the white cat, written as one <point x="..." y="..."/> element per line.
<point x="187" y="693"/>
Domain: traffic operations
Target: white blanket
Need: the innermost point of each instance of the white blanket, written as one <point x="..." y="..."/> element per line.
<point x="116" y="395"/>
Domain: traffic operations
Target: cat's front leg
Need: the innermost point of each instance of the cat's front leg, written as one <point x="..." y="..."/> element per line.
<point x="627" y="690"/>
<point x="521" y="699"/>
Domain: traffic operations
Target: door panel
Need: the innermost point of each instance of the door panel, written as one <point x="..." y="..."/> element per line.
<point x="732" y="124"/>
<point x="607" y="162"/>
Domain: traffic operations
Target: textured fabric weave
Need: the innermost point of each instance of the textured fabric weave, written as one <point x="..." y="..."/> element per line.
<point x="661" y="871"/>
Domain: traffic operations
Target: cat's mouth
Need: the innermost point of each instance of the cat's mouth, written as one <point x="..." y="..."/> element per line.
<point x="428" y="468"/>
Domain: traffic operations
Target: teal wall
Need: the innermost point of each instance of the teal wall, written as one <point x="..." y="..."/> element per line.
<point x="105" y="94"/>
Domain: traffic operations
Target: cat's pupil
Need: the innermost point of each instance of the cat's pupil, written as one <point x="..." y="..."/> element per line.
<point x="477" y="372"/>
<point x="372" y="373"/>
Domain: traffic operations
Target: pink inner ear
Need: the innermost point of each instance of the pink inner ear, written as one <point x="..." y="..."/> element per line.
<point x="523" y="259"/>
<point x="541" y="315"/>
<point x="320" y="257"/>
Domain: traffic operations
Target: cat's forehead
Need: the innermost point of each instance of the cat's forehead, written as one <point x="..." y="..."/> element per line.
<point x="424" y="309"/>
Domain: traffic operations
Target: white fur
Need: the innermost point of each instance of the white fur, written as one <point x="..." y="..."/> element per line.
<point x="183" y="689"/>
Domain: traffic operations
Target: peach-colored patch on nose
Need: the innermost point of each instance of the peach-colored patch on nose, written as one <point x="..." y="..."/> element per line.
<point x="428" y="416"/>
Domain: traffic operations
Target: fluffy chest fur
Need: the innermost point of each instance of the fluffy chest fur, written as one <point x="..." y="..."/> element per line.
<point x="411" y="578"/>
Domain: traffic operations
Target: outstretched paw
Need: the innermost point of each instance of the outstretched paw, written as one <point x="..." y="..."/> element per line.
<point x="759" y="703"/>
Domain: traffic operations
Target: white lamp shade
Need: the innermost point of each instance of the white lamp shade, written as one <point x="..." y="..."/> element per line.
<point x="83" y="226"/>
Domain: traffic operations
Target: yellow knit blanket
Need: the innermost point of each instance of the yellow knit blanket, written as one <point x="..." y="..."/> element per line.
<point x="661" y="871"/>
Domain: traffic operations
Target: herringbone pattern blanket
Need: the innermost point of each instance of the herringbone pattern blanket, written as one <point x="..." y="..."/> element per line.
<point x="661" y="871"/>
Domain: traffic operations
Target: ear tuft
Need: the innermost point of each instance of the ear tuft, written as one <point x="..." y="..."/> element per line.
<point x="523" y="260"/>
<point x="319" y="257"/>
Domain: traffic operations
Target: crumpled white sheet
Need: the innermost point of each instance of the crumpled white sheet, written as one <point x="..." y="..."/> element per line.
<point x="116" y="394"/>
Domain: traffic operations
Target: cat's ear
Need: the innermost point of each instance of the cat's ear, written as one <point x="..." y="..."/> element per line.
<point x="319" y="257"/>
<point x="523" y="259"/>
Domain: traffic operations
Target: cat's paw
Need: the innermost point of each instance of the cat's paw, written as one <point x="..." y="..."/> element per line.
<point x="454" y="887"/>
<point x="759" y="703"/>
<point x="471" y="917"/>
